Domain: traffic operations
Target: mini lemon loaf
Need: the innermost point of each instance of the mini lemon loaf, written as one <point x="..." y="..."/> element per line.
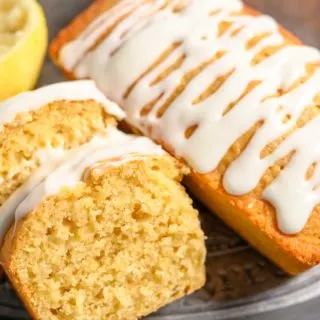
<point x="109" y="233"/>
<point x="229" y="91"/>
<point x="41" y="123"/>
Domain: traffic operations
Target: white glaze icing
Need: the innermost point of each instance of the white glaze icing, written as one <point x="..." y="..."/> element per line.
<point x="73" y="90"/>
<point x="196" y="30"/>
<point x="66" y="168"/>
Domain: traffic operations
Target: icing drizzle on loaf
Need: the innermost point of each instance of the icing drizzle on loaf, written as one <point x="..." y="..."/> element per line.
<point x="131" y="66"/>
<point x="66" y="169"/>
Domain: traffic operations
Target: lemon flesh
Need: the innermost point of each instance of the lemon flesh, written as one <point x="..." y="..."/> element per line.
<point x="23" y="44"/>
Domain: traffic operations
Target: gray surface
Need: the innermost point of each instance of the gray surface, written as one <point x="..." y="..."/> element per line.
<point x="59" y="13"/>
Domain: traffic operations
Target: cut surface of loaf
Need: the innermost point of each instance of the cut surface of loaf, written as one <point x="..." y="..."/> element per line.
<point x="229" y="91"/>
<point x="37" y="124"/>
<point x="119" y="244"/>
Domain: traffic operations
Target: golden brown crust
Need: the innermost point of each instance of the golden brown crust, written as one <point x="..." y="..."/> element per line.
<point x="75" y="28"/>
<point x="254" y="219"/>
<point x="7" y="251"/>
<point x="249" y="215"/>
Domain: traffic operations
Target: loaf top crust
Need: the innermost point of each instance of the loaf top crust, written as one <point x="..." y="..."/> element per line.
<point x="222" y="87"/>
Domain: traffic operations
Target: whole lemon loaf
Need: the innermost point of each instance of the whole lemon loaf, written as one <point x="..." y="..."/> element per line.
<point x="227" y="90"/>
<point x="99" y="227"/>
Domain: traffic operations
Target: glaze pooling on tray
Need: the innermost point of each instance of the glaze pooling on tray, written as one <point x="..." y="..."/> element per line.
<point x="124" y="65"/>
<point x="62" y="168"/>
<point x="73" y="91"/>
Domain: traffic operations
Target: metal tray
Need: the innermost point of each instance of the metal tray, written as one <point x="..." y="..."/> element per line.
<point x="240" y="282"/>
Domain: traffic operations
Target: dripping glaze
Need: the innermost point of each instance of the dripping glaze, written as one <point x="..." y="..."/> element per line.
<point x="123" y="59"/>
<point x="81" y="90"/>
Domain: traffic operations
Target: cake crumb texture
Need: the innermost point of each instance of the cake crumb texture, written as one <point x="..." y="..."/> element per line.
<point x="122" y="244"/>
<point x="61" y="124"/>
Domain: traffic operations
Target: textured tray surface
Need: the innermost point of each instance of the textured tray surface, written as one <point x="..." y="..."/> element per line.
<point x="240" y="281"/>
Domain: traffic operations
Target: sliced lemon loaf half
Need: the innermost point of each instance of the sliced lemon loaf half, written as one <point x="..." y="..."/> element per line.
<point x="108" y="233"/>
<point x="39" y="124"/>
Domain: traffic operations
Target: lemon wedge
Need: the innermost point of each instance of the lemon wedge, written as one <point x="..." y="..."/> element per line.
<point x="23" y="44"/>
